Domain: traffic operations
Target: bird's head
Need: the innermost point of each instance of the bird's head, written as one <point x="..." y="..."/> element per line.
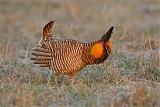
<point x="103" y="45"/>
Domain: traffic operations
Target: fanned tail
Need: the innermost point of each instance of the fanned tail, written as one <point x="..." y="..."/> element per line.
<point x="48" y="30"/>
<point x="43" y="56"/>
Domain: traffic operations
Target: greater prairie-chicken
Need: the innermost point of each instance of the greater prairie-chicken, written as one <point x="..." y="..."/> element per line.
<point x="69" y="56"/>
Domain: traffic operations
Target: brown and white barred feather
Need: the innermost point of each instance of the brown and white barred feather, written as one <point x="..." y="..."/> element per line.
<point x="64" y="56"/>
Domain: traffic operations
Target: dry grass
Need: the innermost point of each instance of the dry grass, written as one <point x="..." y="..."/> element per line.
<point x="129" y="78"/>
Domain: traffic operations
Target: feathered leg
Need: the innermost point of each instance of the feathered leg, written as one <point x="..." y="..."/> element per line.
<point x="73" y="79"/>
<point x="56" y="78"/>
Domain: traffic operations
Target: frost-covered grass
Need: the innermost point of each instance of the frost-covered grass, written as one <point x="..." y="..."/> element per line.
<point x="130" y="76"/>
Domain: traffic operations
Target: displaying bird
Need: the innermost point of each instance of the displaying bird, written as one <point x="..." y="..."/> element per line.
<point x="69" y="56"/>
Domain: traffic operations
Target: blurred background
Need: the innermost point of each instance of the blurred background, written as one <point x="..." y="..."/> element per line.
<point x="21" y="22"/>
<point x="136" y="39"/>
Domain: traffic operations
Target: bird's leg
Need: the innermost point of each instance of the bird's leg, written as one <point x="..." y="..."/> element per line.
<point x="49" y="77"/>
<point x="73" y="80"/>
<point x="56" y="78"/>
<point x="72" y="77"/>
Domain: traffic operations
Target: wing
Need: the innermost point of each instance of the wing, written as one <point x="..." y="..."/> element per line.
<point x="51" y="49"/>
<point x="41" y="56"/>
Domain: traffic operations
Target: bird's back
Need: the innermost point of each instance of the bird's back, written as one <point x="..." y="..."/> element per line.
<point x="67" y="55"/>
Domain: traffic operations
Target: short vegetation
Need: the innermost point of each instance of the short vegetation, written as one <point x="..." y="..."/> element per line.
<point x="129" y="78"/>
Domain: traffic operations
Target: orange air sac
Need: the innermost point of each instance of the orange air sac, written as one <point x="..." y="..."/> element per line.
<point x="97" y="50"/>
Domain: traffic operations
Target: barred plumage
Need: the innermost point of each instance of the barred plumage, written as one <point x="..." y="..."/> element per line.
<point x="69" y="56"/>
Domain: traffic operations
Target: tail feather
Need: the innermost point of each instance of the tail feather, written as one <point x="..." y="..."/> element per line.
<point x="48" y="30"/>
<point x="43" y="56"/>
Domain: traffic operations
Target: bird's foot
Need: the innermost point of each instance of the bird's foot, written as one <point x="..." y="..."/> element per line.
<point x="76" y="81"/>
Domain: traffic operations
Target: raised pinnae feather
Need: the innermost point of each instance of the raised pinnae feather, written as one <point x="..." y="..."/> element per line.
<point x="48" y="30"/>
<point x="107" y="35"/>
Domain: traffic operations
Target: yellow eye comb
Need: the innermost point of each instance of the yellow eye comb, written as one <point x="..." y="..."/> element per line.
<point x="109" y="44"/>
